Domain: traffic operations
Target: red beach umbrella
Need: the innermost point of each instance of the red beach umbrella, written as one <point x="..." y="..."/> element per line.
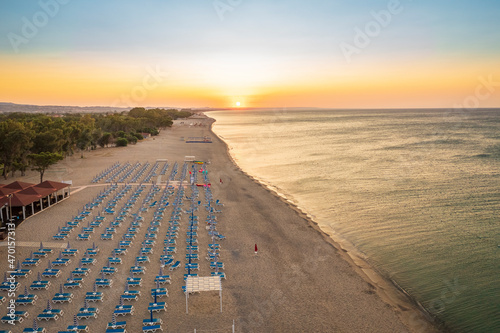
<point x="256" y="249"/>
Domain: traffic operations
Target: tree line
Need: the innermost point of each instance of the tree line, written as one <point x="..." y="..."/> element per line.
<point x="36" y="141"/>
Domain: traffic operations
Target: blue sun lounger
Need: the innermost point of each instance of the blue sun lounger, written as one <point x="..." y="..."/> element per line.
<point x="114" y="261"/>
<point x="187" y="275"/>
<point x="146" y="250"/>
<point x="40" y="254"/>
<point x="27" y="296"/>
<point x="167" y="259"/>
<point x="61" y="299"/>
<point x="160" y="292"/>
<point x="106" y="236"/>
<point x="77" y="328"/>
<point x="15" y="319"/>
<point x="125" y="243"/>
<point x="61" y="262"/>
<point x="134" y="282"/>
<point x="58" y="312"/>
<point x="192" y="266"/>
<point x="47" y="316"/>
<point x="151" y="329"/>
<point x="69" y="252"/>
<point x="142" y="259"/>
<point x="60" y="236"/>
<point x="218" y="264"/>
<point x="88" y="261"/>
<point x="92" y="252"/>
<point x="92" y="296"/>
<point x="120" y="251"/>
<point x="118" y="324"/>
<point x="32" y="330"/>
<point x="108" y="270"/>
<point x="83" y="237"/>
<point x="19" y="273"/>
<point x="221" y="274"/>
<point x="157" y="307"/>
<point x="161" y="279"/>
<point x="138" y="270"/>
<point x="170" y="249"/>
<point x="129" y="297"/>
<point x="169" y="242"/>
<point x="51" y="272"/>
<point x="79" y="271"/>
<point x="104" y="283"/>
<point x="24" y="314"/>
<point x="175" y="265"/>
<point x="31" y="262"/>
<point x="115" y="330"/>
<point x="30" y="301"/>
<point x="38" y="285"/>
<point x="128" y="236"/>
<point x="149" y="322"/>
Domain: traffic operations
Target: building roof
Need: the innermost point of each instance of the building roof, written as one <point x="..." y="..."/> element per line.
<point x="17" y="185"/>
<point x="24" y="194"/>
<point x="19" y="200"/>
<point x="35" y="190"/>
<point x="52" y="184"/>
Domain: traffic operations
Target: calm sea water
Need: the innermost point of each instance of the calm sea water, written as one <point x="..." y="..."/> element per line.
<point x="416" y="191"/>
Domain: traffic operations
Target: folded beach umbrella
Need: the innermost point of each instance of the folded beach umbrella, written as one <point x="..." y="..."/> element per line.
<point x="35" y="325"/>
<point x="49" y="306"/>
<point x="75" y="320"/>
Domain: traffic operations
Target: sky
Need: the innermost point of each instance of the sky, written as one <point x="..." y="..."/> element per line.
<point x="251" y="53"/>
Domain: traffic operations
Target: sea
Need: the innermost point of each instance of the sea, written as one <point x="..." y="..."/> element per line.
<point x="416" y="192"/>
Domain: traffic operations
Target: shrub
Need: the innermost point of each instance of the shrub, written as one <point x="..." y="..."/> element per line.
<point x="121" y="142"/>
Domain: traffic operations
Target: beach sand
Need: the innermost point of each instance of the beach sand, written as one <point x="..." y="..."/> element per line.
<point x="300" y="280"/>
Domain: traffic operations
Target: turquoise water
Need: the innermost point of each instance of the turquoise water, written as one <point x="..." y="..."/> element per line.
<point x="416" y="191"/>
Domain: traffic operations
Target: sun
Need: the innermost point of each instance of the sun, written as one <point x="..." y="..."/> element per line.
<point x="238" y="104"/>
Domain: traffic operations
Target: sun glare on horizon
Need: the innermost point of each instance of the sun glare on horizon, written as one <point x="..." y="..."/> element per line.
<point x="238" y="104"/>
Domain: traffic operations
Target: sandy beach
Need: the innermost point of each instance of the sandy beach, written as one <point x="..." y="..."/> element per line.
<point x="300" y="280"/>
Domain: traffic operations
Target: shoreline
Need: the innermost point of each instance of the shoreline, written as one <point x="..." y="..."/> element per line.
<point x="299" y="281"/>
<point x="419" y="320"/>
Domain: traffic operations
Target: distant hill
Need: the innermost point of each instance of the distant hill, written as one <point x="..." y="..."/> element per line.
<point x="12" y="107"/>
